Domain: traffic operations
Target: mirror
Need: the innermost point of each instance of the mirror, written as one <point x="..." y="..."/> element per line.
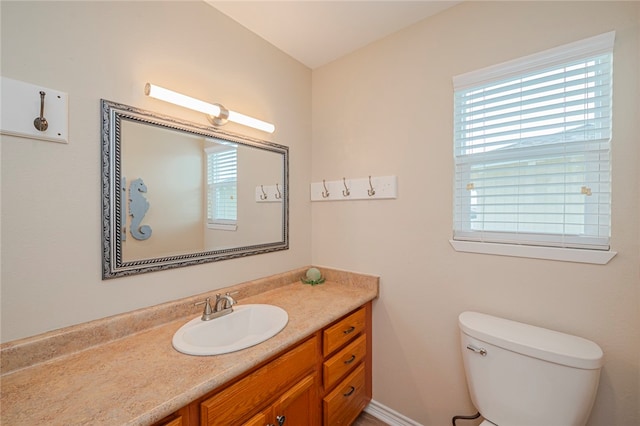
<point x="177" y="193"/>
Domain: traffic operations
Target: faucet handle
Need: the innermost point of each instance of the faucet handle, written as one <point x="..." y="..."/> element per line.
<point x="207" y="306"/>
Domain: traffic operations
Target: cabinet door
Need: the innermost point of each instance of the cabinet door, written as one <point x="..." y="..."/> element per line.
<point x="258" y="419"/>
<point x="299" y="405"/>
<point x="179" y="418"/>
<point x="175" y="422"/>
<point x="242" y="400"/>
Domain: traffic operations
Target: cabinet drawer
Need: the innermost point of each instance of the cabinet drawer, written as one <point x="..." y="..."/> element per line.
<point x="344" y="361"/>
<point x="347" y="400"/>
<point x="342" y="332"/>
<point x="236" y="402"/>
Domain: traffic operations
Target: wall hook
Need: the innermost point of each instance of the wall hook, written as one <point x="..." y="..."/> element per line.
<point x="40" y="123"/>
<point x="345" y="191"/>
<point x="371" y="192"/>
<point x="279" y="194"/>
<point x="325" y="193"/>
<point x="264" y="194"/>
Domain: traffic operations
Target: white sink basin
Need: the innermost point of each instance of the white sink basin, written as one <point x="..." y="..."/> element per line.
<point x="246" y="326"/>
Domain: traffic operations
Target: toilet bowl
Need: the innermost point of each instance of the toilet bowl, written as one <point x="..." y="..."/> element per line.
<point x="523" y="375"/>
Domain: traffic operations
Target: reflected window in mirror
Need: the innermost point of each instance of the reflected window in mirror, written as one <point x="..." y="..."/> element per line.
<point x="222" y="186"/>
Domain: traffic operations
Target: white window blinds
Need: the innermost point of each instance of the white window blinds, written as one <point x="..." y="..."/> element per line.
<point x="222" y="169"/>
<point x="532" y="147"/>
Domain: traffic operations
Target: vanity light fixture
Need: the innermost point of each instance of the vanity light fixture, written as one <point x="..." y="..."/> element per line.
<point x="216" y="113"/>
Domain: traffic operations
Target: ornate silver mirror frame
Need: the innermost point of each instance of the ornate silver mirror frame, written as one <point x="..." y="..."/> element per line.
<point x="114" y="218"/>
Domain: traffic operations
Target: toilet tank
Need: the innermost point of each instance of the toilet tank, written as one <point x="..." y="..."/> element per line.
<point x="522" y="375"/>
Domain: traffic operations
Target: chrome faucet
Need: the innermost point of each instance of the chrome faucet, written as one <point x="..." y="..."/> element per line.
<point x="224" y="302"/>
<point x="222" y="306"/>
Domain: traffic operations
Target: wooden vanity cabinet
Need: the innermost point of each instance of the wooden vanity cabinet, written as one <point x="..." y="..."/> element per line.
<point x="325" y="380"/>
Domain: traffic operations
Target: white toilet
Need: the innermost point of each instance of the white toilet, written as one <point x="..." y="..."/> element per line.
<point x="521" y="375"/>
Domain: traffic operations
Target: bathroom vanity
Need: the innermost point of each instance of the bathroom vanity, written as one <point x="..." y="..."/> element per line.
<point x="316" y="371"/>
<point x="324" y="380"/>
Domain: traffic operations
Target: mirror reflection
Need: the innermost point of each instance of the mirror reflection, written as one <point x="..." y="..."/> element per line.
<point x="178" y="193"/>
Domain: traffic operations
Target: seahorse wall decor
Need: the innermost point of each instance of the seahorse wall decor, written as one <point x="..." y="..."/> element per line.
<point x="138" y="207"/>
<point x="123" y="208"/>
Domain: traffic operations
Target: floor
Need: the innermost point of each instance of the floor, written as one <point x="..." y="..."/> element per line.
<point x="368" y="420"/>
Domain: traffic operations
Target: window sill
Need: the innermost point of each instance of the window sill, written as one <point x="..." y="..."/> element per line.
<point x="598" y="257"/>
<point x="222" y="226"/>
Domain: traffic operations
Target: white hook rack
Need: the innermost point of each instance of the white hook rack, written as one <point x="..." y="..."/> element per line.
<point x="22" y="102"/>
<point x="369" y="188"/>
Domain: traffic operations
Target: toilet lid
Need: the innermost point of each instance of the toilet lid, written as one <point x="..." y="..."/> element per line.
<point x="487" y="423"/>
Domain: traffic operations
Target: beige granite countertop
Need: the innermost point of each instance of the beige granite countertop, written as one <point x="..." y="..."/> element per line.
<point x="140" y="378"/>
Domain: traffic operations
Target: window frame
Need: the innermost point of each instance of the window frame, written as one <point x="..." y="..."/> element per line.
<point x="582" y="49"/>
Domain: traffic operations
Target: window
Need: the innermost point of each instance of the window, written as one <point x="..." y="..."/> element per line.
<point x="222" y="186"/>
<point x="532" y="147"/>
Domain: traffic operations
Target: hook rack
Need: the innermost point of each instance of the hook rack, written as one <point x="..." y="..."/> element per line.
<point x="369" y="188"/>
<point x="269" y="194"/>
<point x="22" y="101"/>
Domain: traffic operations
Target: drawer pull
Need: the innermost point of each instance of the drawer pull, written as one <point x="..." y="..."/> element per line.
<point x="351" y="391"/>
<point x="349" y="330"/>
<point x="281" y="420"/>
<point x="350" y="360"/>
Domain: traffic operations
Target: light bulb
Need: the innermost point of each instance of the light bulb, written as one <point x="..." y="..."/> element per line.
<point x="167" y="95"/>
<point x="236" y="117"/>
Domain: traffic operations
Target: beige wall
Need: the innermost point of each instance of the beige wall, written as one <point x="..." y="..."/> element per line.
<point x="387" y="109"/>
<point x="51" y="193"/>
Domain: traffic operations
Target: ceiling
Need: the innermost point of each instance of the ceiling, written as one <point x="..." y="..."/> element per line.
<point x="318" y="32"/>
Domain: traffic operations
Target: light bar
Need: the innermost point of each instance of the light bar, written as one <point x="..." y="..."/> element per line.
<point x="216" y="114"/>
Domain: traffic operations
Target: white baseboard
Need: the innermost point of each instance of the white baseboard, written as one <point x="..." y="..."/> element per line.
<point x="388" y="415"/>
